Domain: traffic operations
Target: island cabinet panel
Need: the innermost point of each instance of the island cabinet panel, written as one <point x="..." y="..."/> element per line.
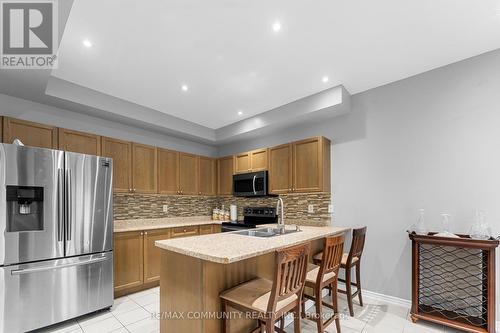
<point x="79" y="142"/>
<point x="225" y="175"/>
<point x="311" y="161"/>
<point x="121" y="153"/>
<point x="152" y="254"/>
<point x="188" y="174"/>
<point x="242" y="163"/>
<point x="206" y="176"/>
<point x="144" y="168"/>
<point x="280" y="169"/>
<point x="30" y="133"/>
<point x="128" y="260"/>
<point x="168" y="171"/>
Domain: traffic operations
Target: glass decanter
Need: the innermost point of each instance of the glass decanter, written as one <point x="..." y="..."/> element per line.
<point x="480" y="229"/>
<point x="420" y="228"/>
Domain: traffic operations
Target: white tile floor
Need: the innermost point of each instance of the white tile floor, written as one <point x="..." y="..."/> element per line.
<point x="133" y="313"/>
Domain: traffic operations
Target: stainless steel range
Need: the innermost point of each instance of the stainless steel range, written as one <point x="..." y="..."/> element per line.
<point x="252" y="217"/>
<point x="56" y="231"/>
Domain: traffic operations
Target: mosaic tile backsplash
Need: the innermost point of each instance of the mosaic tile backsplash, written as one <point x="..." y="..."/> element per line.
<point x="144" y="206"/>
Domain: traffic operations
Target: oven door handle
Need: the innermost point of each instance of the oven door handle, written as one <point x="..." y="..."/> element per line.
<point x="253" y="183"/>
<point x="48" y="268"/>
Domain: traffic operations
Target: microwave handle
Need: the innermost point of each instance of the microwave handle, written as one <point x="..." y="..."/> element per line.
<point x="253" y="183"/>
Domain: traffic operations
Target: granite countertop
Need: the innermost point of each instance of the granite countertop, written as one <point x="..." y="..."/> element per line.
<point x="229" y="247"/>
<point x="159" y="223"/>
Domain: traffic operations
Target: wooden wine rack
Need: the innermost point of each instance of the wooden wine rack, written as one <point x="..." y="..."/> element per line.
<point x="453" y="281"/>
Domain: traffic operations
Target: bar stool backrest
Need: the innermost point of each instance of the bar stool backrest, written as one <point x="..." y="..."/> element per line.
<point x="358" y="244"/>
<point x="332" y="256"/>
<point x="290" y="275"/>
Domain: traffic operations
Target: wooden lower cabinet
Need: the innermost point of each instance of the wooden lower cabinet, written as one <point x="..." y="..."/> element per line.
<point x="152" y="253"/>
<point x="137" y="259"/>
<point x="128" y="260"/>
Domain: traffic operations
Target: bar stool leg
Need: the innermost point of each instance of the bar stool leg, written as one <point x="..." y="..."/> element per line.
<point x="225" y="319"/>
<point x="358" y="283"/>
<point x="335" y="303"/>
<point x="349" y="290"/>
<point x="296" y="319"/>
<point x="269" y="326"/>
<point x="319" y="311"/>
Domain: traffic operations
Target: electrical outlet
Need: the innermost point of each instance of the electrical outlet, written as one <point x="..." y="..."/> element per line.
<point x="165" y="208"/>
<point x="310" y="209"/>
<point x="330" y="208"/>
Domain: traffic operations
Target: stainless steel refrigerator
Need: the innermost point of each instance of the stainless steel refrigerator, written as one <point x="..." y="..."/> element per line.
<point x="56" y="234"/>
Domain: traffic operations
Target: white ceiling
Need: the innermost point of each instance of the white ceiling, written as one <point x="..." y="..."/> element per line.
<point x="228" y="54"/>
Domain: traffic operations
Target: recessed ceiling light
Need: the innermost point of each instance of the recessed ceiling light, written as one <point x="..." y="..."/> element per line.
<point x="240" y="113"/>
<point x="325" y="79"/>
<point x="276" y="26"/>
<point x="184" y="87"/>
<point x="87" y="43"/>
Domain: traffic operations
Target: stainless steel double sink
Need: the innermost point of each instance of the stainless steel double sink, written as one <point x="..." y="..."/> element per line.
<point x="265" y="232"/>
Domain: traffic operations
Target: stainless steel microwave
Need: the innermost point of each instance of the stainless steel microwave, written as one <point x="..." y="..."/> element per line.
<point x="253" y="184"/>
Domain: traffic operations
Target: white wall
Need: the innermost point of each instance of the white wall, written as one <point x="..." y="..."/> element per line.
<point x="45" y="114"/>
<point x="430" y="141"/>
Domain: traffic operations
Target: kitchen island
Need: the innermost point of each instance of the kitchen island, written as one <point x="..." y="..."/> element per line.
<point x="195" y="270"/>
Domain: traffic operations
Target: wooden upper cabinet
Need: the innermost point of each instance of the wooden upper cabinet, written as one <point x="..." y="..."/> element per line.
<point x="259" y="159"/>
<point x="128" y="260"/>
<point x="280" y="169"/>
<point x="206" y="176"/>
<point x="79" y="142"/>
<point x="144" y="168"/>
<point x="188" y="174"/>
<point x="255" y="160"/>
<point x="168" y="171"/>
<point x="225" y="175"/>
<point x="311" y="165"/>
<point x="152" y="254"/>
<point x="121" y="153"/>
<point x="242" y="163"/>
<point x="31" y="134"/>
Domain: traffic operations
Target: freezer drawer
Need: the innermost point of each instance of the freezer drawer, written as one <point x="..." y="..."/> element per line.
<point x="43" y="293"/>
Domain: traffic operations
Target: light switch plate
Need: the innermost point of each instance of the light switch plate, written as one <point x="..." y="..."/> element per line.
<point x="330" y="208"/>
<point x="165" y="208"/>
<point x="310" y="209"/>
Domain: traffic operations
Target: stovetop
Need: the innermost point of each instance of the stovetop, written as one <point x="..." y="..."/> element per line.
<point x="253" y="216"/>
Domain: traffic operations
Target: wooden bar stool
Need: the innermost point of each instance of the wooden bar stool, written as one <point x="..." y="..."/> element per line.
<point x="350" y="260"/>
<point x="271" y="300"/>
<point x="325" y="275"/>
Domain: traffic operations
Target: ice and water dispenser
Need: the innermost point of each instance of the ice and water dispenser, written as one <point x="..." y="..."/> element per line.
<point x="24" y="208"/>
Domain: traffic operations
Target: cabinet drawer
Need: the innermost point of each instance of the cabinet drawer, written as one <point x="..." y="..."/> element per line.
<point x="206" y="229"/>
<point x="184" y="231"/>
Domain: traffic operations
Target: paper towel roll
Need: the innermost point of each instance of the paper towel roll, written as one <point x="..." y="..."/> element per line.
<point x="234" y="212"/>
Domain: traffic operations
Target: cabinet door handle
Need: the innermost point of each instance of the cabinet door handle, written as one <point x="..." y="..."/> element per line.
<point x="142" y="233"/>
<point x="145" y="232"/>
<point x="130" y="190"/>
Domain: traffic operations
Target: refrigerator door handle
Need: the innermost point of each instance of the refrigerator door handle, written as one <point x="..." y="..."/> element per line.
<point x="68" y="204"/>
<point x="47" y="268"/>
<point x="60" y="205"/>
